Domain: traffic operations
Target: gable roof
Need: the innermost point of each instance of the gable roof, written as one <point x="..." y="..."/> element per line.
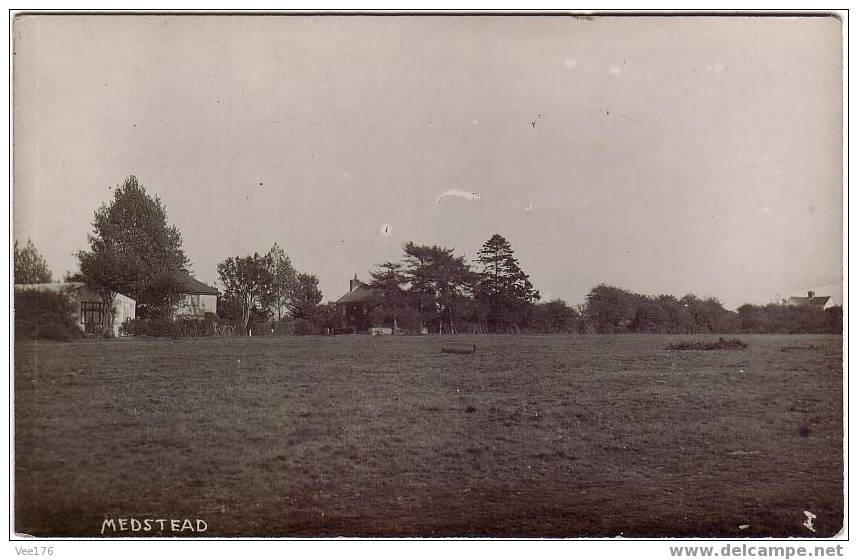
<point x="359" y="293"/>
<point x="818" y="301"/>
<point x="191" y="285"/>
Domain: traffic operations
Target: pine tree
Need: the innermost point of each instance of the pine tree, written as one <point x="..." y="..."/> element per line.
<point x="439" y="282"/>
<point x="503" y="287"/>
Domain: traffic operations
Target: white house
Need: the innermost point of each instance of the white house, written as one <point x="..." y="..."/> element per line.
<point x="198" y="298"/>
<point x="87" y="305"/>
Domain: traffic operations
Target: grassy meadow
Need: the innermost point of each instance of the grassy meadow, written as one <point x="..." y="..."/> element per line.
<point x="556" y="436"/>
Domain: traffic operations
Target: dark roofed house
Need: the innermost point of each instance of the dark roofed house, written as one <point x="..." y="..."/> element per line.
<point x="812" y="300"/>
<point x="354" y="307"/>
<point x="198" y="298"/>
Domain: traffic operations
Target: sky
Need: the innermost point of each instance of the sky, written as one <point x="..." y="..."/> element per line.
<point x="661" y="155"/>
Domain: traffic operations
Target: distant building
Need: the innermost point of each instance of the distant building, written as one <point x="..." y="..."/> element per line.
<point x="354" y="307"/>
<point x="87" y="305"/>
<point x="197" y="299"/>
<point x="812" y="300"/>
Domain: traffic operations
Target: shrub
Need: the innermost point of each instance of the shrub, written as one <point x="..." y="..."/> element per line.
<point x="261" y="327"/>
<point x="722" y="344"/>
<point x="46" y="316"/>
<point x="52" y="326"/>
<point x="173" y="328"/>
<point x="297" y="327"/>
<point x="157" y="326"/>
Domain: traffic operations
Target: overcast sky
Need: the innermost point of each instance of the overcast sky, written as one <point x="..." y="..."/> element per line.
<point x="661" y="155"/>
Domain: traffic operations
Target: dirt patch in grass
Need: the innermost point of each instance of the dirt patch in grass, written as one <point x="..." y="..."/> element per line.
<point x="372" y="436"/>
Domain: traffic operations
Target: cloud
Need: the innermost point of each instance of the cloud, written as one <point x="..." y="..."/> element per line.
<point x="461" y="194"/>
<point x="570" y="63"/>
<point x="614" y="70"/>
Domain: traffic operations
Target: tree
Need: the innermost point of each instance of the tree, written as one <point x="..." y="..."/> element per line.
<point x="554" y="317"/>
<point x="284" y="277"/>
<point x="326" y="315"/>
<point x="503" y="287"/>
<point x="305" y="296"/>
<point x="30" y="266"/>
<point x="440" y="282"/>
<point x="134" y="251"/>
<point x="392" y="303"/>
<point x="388" y="279"/>
<point x="611" y="310"/>
<point x="248" y="282"/>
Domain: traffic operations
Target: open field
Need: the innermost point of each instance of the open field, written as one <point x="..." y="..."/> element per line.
<point x="386" y="436"/>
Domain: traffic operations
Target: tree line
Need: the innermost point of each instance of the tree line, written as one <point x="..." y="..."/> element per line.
<point x="136" y="252"/>
<point x="432" y="288"/>
<point x="613" y="310"/>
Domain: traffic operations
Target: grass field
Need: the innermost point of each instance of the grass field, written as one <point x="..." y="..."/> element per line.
<point x="386" y="436"/>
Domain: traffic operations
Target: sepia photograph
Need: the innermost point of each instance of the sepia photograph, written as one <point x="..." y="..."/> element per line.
<point x="427" y="275"/>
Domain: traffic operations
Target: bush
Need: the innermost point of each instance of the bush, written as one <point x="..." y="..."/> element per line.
<point x="156" y="326"/>
<point x="45" y="316"/>
<point x="732" y="344"/>
<point x="53" y="327"/>
<point x="297" y="327"/>
<point x="173" y="328"/>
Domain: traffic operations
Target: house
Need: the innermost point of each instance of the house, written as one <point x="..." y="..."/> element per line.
<point x="812" y="300"/>
<point x="197" y="299"/>
<point x="354" y="307"/>
<point x="87" y="305"/>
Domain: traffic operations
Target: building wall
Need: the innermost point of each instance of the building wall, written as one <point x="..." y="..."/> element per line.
<point x="124" y="307"/>
<point x="354" y="316"/>
<point x="196" y="305"/>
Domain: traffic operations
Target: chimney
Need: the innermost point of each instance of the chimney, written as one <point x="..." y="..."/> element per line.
<point x="810" y="295"/>
<point x="354" y="283"/>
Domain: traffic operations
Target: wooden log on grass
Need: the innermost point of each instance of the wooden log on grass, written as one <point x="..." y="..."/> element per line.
<point x="458" y="348"/>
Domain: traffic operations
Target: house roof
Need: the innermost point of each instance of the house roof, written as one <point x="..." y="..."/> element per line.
<point x="193" y="286"/>
<point x="56" y="287"/>
<point x="359" y="293"/>
<point x="819" y="301"/>
<point x="86" y="293"/>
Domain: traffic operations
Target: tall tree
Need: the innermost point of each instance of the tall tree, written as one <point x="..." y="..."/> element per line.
<point x="439" y="281"/>
<point x="611" y="310"/>
<point x="248" y="283"/>
<point x="134" y="251"/>
<point x="30" y="266"/>
<point x="503" y="287"/>
<point x="284" y="278"/>
<point x="305" y="296"/>
<point x="393" y="306"/>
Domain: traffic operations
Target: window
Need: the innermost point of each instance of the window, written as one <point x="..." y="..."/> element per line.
<point x="91" y="313"/>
